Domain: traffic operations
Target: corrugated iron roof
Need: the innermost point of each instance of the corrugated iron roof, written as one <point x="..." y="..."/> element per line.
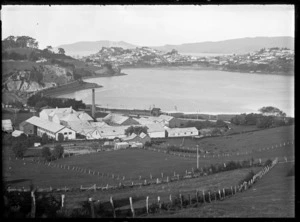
<point x="45" y="124"/>
<point x="182" y="130"/>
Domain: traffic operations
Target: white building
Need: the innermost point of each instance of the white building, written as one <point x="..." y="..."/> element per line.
<point x="181" y="132"/>
<point x="51" y="129"/>
<point x="7" y="125"/>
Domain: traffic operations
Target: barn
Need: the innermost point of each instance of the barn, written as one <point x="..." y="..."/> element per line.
<point x="182" y="132"/>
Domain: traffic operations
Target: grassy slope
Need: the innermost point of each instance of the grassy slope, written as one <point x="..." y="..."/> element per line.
<point x="273" y="196"/>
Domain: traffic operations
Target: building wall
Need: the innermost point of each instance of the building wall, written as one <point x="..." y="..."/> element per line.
<point x="55" y="119"/>
<point x="182" y="134"/>
<point x="68" y="133"/>
<point x="157" y="134"/>
<point x="28" y="129"/>
<point x="41" y="131"/>
<point x="44" y="115"/>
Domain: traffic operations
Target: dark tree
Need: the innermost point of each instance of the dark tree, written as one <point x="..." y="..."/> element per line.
<point x="46" y="153"/>
<point x="45" y="138"/>
<point x="19" y="148"/>
<point x="58" y="151"/>
<point x="60" y="137"/>
<point x="136" y="129"/>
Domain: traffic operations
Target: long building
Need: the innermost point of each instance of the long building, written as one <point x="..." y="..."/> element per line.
<point x="50" y="128"/>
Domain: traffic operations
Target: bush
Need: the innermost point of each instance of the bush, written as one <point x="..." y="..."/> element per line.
<point x="268" y="162"/>
<point x="45" y="138"/>
<point x="19" y="148"/>
<point x="46" y="153"/>
<point x="248" y="177"/>
<point x="58" y="151"/>
<point x="60" y="137"/>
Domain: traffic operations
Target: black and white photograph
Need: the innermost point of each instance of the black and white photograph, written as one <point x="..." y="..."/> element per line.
<point x="148" y="111"/>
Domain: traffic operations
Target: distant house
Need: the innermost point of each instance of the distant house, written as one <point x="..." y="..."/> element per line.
<point x="27" y="128"/>
<point x="182" y="132"/>
<point x="155" y="112"/>
<point x="119" y="120"/>
<point x="50" y="128"/>
<point x="133" y="138"/>
<point x="166" y="120"/>
<point x="7" y="125"/>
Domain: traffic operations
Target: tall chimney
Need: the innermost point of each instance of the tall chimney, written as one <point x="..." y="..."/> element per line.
<point x="93" y="103"/>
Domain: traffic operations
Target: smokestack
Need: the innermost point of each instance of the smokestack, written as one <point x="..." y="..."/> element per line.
<point x="93" y="103"/>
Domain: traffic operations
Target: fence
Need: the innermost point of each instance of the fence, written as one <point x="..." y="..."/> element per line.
<point x="117" y="208"/>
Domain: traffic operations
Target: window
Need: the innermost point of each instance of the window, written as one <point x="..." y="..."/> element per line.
<point x="65" y="133"/>
<point x="70" y="133"/>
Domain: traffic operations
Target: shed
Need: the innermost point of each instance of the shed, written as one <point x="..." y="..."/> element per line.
<point x="17" y="133"/>
<point x="7" y="125"/>
<point x="121" y="145"/>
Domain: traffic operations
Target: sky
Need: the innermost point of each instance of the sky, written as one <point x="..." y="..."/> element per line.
<point x="146" y="25"/>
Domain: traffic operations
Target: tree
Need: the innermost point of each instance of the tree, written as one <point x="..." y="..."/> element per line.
<point x="221" y="123"/>
<point x="61" y="51"/>
<point x="49" y="48"/>
<point x="45" y="138"/>
<point x="19" y="148"/>
<point x="271" y="111"/>
<point x="46" y="153"/>
<point x="136" y="129"/>
<point x="58" y="151"/>
<point x="60" y="137"/>
<point x="264" y="122"/>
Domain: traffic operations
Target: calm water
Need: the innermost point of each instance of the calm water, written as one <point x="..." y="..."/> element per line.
<point x="192" y="91"/>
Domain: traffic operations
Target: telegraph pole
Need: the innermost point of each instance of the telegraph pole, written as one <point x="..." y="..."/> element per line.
<point x="197" y="157"/>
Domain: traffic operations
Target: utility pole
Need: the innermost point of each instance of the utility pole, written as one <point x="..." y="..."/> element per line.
<point x="197" y="157"/>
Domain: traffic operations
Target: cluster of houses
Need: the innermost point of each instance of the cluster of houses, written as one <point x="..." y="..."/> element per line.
<point x="74" y="124"/>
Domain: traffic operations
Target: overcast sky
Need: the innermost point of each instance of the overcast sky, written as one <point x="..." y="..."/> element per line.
<point x="146" y="25"/>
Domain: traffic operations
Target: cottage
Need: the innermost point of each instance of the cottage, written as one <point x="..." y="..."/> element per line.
<point x="182" y="132"/>
<point x="50" y="128"/>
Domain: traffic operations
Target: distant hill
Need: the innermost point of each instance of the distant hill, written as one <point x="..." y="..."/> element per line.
<point x="88" y="48"/>
<point x="242" y="45"/>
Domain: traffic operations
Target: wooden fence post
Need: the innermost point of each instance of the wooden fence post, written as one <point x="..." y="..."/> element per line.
<point x="209" y="198"/>
<point x="167" y="179"/>
<point x="33" y="206"/>
<point x="150" y="176"/>
<point x="224" y="193"/>
<point x="95" y="187"/>
<point x="197" y="196"/>
<point x="162" y="174"/>
<point x="180" y="197"/>
<point x="171" y="203"/>
<point x="190" y="201"/>
<point x="203" y="195"/>
<point x="220" y="195"/>
<point x="62" y="201"/>
<point x="131" y="206"/>
<point x="92" y="207"/>
<point x="159" y="203"/>
<point x="147" y="204"/>
<point x="112" y="206"/>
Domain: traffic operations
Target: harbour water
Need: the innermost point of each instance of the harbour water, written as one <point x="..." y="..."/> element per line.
<point x="204" y="91"/>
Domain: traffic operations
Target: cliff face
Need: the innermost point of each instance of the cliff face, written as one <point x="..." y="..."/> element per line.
<point x="45" y="76"/>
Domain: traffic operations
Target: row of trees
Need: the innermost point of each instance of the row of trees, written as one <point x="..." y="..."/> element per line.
<point x="49" y="155"/>
<point x="39" y="101"/>
<point x="206" y="124"/>
<point x="19" y="42"/>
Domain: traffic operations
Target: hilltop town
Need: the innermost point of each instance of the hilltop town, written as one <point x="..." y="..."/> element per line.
<point x="272" y="60"/>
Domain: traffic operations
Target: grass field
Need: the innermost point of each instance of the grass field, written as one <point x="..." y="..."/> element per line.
<point x="265" y="199"/>
<point x="273" y="196"/>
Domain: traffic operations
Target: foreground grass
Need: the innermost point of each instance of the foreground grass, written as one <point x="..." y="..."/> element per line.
<point x="272" y="196"/>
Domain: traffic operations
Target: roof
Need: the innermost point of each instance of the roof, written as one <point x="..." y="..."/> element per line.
<point x="7" y="124"/>
<point x="143" y="135"/>
<point x="84" y="116"/>
<point x="132" y="136"/>
<point x="155" y="127"/>
<point x="79" y="126"/>
<point x="52" y="112"/>
<point x="143" y="121"/>
<point x="17" y="133"/>
<point x="70" y="117"/>
<point x="99" y="124"/>
<point x="166" y="117"/>
<point x="112" y="130"/>
<point x="116" y="118"/>
<point x="182" y="130"/>
<point x="45" y="124"/>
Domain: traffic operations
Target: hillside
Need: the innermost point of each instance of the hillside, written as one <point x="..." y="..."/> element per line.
<point x="87" y="48"/>
<point x="242" y="45"/>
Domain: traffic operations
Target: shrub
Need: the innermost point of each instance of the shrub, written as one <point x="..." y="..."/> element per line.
<point x="268" y="162"/>
<point x="46" y="153"/>
<point x="45" y="139"/>
<point x="19" y="148"/>
<point x="58" y="151"/>
<point x="60" y="137"/>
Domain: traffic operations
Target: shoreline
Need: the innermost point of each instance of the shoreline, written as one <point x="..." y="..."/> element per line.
<point x="65" y="89"/>
<point x="101" y="76"/>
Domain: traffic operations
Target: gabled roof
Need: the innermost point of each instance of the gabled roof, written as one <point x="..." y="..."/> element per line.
<point x="155" y="127"/>
<point x="45" y="124"/>
<point x="143" y="121"/>
<point x="79" y="126"/>
<point x="143" y="135"/>
<point x="112" y="130"/>
<point x="115" y="118"/>
<point x="132" y="136"/>
<point x="70" y="117"/>
<point x="99" y="124"/>
<point x="166" y="117"/>
<point x="85" y="116"/>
